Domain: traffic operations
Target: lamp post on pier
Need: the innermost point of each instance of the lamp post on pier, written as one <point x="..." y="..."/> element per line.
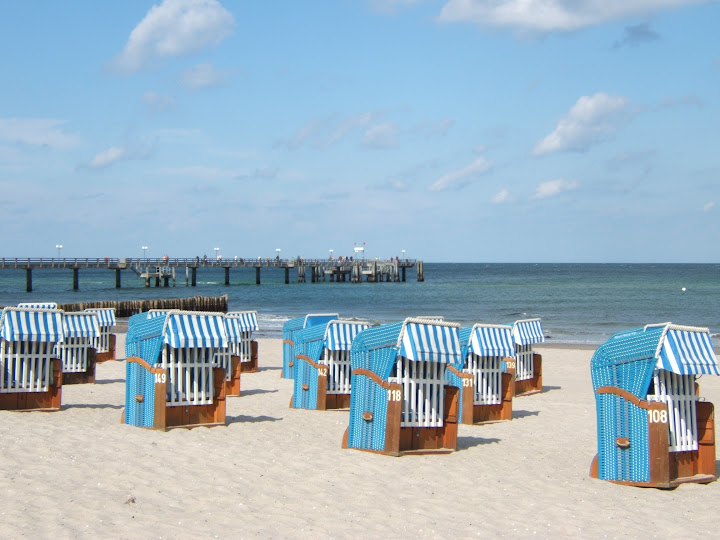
<point x="144" y="249"/>
<point x="59" y="248"/>
<point x="217" y="249"/>
<point x="403" y="253"/>
<point x="331" y="252"/>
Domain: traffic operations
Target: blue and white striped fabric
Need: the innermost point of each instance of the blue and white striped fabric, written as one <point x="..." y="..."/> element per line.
<point x="686" y="351"/>
<point x="528" y="331"/>
<point x="492" y="340"/>
<point x="27" y="324"/>
<point x="424" y="341"/>
<point x="157" y="313"/>
<point x="38" y="305"/>
<point x="184" y="329"/>
<point x="106" y="316"/>
<point x="247" y="320"/>
<point x="81" y="325"/>
<point x="339" y="335"/>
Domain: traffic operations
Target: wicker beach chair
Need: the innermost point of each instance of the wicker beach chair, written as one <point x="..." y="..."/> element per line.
<point x="77" y="351"/>
<point x="482" y="378"/>
<point x="172" y="378"/>
<point x="400" y="402"/>
<point x="290" y="328"/>
<point x="322" y="365"/>
<point x="528" y="363"/>
<point x="242" y="344"/>
<point x="30" y="372"/>
<point x="105" y="345"/>
<point x="653" y="429"/>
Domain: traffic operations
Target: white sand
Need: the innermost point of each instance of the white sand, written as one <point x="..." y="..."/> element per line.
<point x="275" y="472"/>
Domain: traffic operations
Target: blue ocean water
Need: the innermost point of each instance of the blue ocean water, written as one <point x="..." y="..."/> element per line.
<point x="578" y="303"/>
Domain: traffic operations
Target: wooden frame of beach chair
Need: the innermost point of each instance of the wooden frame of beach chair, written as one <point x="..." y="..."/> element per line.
<point x="322" y="365"/>
<point x="173" y="379"/>
<point x="400" y="401"/>
<point x="105" y="346"/>
<point x="77" y="350"/>
<point x="485" y="384"/>
<point x="290" y="328"/>
<point x="527" y="363"/>
<point x="30" y="373"/>
<point x="653" y="431"/>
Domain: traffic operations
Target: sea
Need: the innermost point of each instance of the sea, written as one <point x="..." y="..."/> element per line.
<point x="579" y="304"/>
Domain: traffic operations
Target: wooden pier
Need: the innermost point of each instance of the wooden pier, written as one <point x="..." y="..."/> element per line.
<point x="165" y="270"/>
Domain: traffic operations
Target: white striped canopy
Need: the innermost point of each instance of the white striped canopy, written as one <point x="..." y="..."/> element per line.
<point x="81" y="324"/>
<point x="195" y="329"/>
<point x="528" y="331"/>
<point x="246" y="320"/>
<point x="492" y="340"/>
<point x="38" y="305"/>
<point x="106" y="316"/>
<point x="425" y="341"/>
<point x="28" y="324"/>
<point x="157" y="313"/>
<point x="687" y="350"/>
<point x="339" y="335"/>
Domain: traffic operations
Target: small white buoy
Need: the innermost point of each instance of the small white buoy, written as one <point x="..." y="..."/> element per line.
<point x="684" y="289"/>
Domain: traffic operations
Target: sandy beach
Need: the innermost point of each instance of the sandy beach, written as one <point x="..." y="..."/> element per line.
<point x="275" y="472"/>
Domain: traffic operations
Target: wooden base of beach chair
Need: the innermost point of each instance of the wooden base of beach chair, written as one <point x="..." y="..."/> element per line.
<point x="109" y="354"/>
<point x="85" y="377"/>
<point x="336" y="401"/>
<point x="232" y="387"/>
<point x="417" y="440"/>
<point x="486" y="414"/>
<point x="37" y="401"/>
<point x="670" y="469"/>
<point x="534" y="385"/>
<point x="251" y="366"/>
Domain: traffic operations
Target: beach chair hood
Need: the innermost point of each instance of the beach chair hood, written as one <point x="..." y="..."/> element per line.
<point x="30" y="324"/>
<point x="492" y="340"/>
<point x="81" y="325"/>
<point x="106" y="316"/>
<point x="239" y="322"/>
<point x="186" y="329"/>
<point x="339" y="335"/>
<point x="528" y="332"/>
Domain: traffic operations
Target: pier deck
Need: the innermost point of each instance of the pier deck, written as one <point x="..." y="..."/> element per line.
<point x="164" y="269"/>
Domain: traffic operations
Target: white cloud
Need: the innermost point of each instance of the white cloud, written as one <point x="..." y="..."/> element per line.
<point x="108" y="157"/>
<point x="45" y="132"/>
<point x="552" y="15"/>
<point x="458" y="179"/>
<point x="554" y="187"/>
<point x="381" y="136"/>
<point x="203" y="76"/>
<point x="199" y="172"/>
<point x="501" y="197"/>
<point x="174" y="28"/>
<point x="709" y="206"/>
<point x="158" y="102"/>
<point x="590" y="120"/>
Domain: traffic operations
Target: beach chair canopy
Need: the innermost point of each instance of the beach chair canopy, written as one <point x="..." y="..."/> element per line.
<point x="31" y="324"/>
<point x="628" y="359"/>
<point x="377" y="348"/>
<point x="339" y="335"/>
<point x="244" y="321"/>
<point x="106" y="316"/>
<point x="309" y="341"/>
<point x="178" y="329"/>
<point x="81" y="324"/>
<point x="156" y="313"/>
<point x="38" y="305"/>
<point x="528" y="332"/>
<point x="489" y="340"/>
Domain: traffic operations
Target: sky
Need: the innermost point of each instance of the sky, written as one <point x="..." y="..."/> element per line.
<point x="440" y="130"/>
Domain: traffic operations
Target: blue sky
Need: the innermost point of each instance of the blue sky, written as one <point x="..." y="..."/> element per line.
<point x="456" y="130"/>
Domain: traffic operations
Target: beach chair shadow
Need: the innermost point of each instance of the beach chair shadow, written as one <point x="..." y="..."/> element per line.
<point x="91" y="406"/>
<point x="252" y="419"/>
<point x="653" y="428"/>
<point x="524" y="414"/>
<point x="550" y="388"/>
<point x="463" y="443"/>
<point x="109" y="381"/>
<point x="257" y="391"/>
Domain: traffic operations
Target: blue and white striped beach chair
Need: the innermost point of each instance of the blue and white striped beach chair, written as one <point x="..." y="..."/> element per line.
<point x="322" y="365"/>
<point x="653" y="429"/>
<point x="30" y="372"/>
<point x="486" y="387"/>
<point x="105" y="346"/>
<point x="172" y="377"/>
<point x="242" y="344"/>
<point x="528" y="363"/>
<point x="290" y="328"/>
<point x="77" y="350"/>
<point x="400" y="401"/>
